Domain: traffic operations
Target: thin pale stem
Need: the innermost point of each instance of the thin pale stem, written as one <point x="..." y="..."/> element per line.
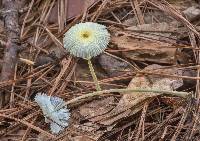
<point x="174" y="93"/>
<point x="98" y="88"/>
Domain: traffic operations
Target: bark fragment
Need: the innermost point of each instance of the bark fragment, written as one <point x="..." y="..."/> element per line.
<point x="10" y="15"/>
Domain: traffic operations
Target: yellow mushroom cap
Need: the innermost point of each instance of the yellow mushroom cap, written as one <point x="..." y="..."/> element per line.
<point x="86" y="40"/>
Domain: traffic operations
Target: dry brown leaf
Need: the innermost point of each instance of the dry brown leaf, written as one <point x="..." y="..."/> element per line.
<point x="144" y="50"/>
<point x="97" y="107"/>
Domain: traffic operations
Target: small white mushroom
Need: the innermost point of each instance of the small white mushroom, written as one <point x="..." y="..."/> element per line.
<point x="55" y="111"/>
<point x="87" y="40"/>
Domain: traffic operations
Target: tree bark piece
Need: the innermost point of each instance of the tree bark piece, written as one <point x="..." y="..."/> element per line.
<point x="10" y="15"/>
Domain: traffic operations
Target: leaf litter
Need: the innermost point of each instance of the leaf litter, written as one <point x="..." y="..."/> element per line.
<point x="154" y="45"/>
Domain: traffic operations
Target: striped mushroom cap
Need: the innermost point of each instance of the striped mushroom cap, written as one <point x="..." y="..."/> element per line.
<point x="86" y="40"/>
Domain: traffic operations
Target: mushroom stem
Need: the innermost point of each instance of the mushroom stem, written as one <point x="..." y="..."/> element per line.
<point x="184" y="95"/>
<point x="98" y="88"/>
